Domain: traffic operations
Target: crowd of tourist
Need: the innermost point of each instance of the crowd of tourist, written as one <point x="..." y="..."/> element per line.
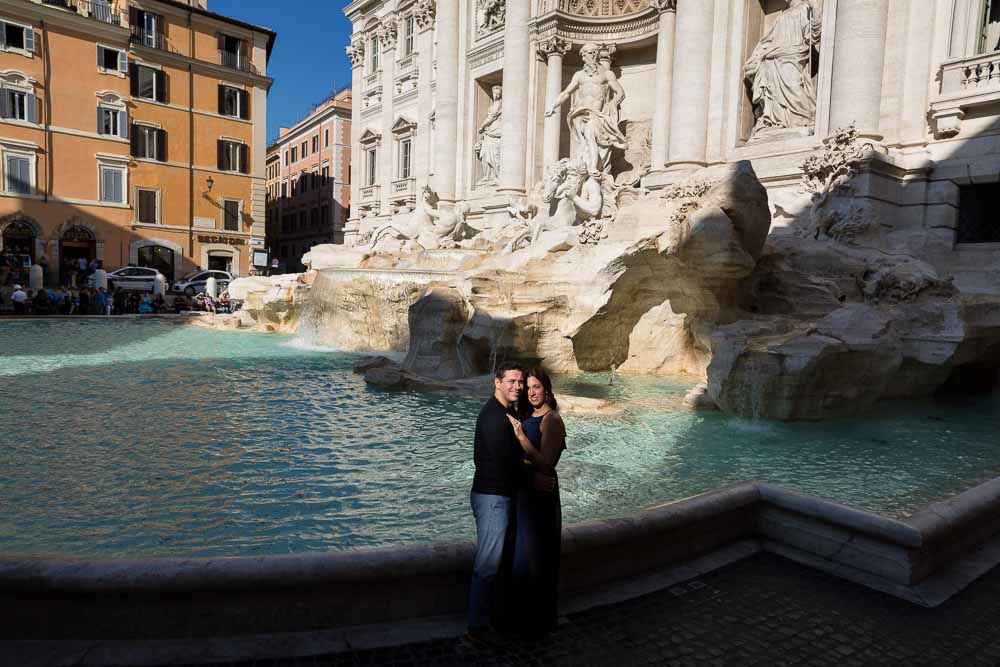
<point x="22" y="301"/>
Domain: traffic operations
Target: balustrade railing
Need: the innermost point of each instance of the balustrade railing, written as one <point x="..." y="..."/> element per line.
<point x="234" y="60"/>
<point x="154" y="40"/>
<point x="101" y="11"/>
<point x="369" y="193"/>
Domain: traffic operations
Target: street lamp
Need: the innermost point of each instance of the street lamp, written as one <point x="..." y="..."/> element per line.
<point x="209" y="182"/>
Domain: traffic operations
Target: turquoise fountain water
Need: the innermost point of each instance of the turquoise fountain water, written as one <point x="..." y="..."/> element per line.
<point x="144" y="439"/>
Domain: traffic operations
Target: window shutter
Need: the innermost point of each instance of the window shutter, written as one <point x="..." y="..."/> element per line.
<point x="136" y="143"/>
<point x="25" y="169"/>
<point x="117" y="180"/>
<point x="161" y="86"/>
<point x="31" y="108"/>
<point x="221" y="150"/>
<point x="134" y="16"/>
<point x="100" y="56"/>
<point x="29" y="40"/>
<point x="3" y="34"/>
<point x="100" y="123"/>
<point x="244" y="57"/>
<point x="161" y="145"/>
<point x="244" y="105"/>
<point x="123" y="124"/>
<point x="244" y="158"/>
<point x="4" y="98"/>
<point x="221" y="40"/>
<point x="222" y="99"/>
<point x="123" y="61"/>
<point x="133" y="83"/>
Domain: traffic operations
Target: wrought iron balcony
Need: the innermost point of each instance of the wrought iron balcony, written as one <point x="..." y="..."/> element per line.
<point x="235" y="60"/>
<point x="154" y="40"/>
<point x="101" y="11"/>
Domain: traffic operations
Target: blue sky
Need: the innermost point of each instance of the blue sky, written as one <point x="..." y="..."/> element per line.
<point x="308" y="57"/>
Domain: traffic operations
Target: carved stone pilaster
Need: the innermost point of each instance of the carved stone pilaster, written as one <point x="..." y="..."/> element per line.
<point x="554" y="45"/>
<point x="664" y="5"/>
<point x="424" y="12"/>
<point x="356" y="52"/>
<point x="387" y="33"/>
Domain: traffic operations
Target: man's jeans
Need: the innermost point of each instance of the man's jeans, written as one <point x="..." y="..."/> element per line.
<point x="492" y="518"/>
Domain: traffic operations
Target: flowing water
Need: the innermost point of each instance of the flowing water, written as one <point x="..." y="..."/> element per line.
<point x="124" y="438"/>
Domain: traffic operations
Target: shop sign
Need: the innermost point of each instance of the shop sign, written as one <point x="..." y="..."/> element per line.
<point x="205" y="238"/>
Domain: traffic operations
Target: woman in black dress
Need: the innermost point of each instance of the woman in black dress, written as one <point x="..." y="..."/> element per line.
<point x="539" y="514"/>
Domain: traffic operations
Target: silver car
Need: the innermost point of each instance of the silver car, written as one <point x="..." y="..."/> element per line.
<point x="196" y="282"/>
<point x="138" y="278"/>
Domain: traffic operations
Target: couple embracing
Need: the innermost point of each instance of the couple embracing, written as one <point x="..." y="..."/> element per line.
<point x="515" y="501"/>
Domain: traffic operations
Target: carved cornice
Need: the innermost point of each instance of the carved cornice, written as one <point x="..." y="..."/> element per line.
<point x="552" y="46"/>
<point x="424" y="12"/>
<point x="581" y="29"/>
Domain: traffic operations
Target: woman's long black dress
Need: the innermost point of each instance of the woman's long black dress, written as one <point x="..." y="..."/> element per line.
<point x="537" y="547"/>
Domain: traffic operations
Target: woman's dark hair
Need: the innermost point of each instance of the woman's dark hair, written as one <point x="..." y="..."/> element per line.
<point x="543" y="377"/>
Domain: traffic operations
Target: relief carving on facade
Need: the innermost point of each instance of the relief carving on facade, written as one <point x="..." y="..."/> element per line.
<point x="604" y="8"/>
<point x="424" y="12"/>
<point x="356" y="51"/>
<point x="387" y="33"/>
<point x="492" y="15"/>
<point x="779" y="71"/>
<point x="488" y="143"/>
<point x="664" y="5"/>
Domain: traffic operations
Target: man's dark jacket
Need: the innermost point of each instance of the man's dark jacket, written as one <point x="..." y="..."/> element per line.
<point x="497" y="454"/>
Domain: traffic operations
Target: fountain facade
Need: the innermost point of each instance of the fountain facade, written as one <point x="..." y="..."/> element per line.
<point x="794" y="246"/>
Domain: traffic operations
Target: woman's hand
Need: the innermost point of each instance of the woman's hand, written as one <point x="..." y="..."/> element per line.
<point x="519" y="433"/>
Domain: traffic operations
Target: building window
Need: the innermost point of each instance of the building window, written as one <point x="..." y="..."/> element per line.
<point x="146" y="206"/>
<point x="315" y="143"/>
<point x="326" y="174"/>
<point x="978" y="221"/>
<point x="233" y="156"/>
<point x="148" y="83"/>
<point x="18" y="170"/>
<point x="989" y="38"/>
<point x="233" y="52"/>
<point x="314" y="218"/>
<point x="373" y="60"/>
<point x="18" y="105"/>
<point x="112" y="60"/>
<point x="147" y="28"/>
<point x="112" y="184"/>
<point x="14" y="37"/>
<point x="286" y="158"/>
<point x="295" y="154"/>
<point x="149" y="142"/>
<point x="408" y="35"/>
<point x="284" y="189"/>
<point x="234" y="102"/>
<point x="112" y="122"/>
<point x="326" y="138"/>
<point x="231" y="215"/>
<point x="304" y="183"/>
<point x="405" y="157"/>
<point x="371" y="166"/>
<point x="305" y="149"/>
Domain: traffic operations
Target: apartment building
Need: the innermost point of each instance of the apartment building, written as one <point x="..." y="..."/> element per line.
<point x="309" y="185"/>
<point x="132" y="133"/>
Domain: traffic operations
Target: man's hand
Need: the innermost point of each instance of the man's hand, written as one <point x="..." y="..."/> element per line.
<point x="545" y="483"/>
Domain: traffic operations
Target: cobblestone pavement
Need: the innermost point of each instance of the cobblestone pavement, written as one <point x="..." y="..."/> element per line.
<point x="761" y="611"/>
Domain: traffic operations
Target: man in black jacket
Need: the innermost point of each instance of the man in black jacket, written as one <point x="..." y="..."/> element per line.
<point x="498" y="459"/>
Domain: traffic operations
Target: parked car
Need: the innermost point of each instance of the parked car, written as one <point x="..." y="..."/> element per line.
<point x="196" y="282"/>
<point x="134" y="278"/>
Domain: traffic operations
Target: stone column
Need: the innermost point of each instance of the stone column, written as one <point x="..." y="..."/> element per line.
<point x="691" y="84"/>
<point x="664" y="81"/>
<point x="514" y="128"/>
<point x="552" y="49"/>
<point x="858" y="58"/>
<point x="387" y="150"/>
<point x="446" y="103"/>
<point x="356" y="51"/>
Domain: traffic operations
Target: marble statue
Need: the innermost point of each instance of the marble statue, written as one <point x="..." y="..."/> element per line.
<point x="570" y="195"/>
<point x="492" y="14"/>
<point x="594" y="114"/>
<point x="488" y="146"/>
<point x="428" y="226"/>
<point x="779" y="71"/>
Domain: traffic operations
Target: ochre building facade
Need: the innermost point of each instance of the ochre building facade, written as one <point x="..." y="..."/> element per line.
<point x="132" y="133"/>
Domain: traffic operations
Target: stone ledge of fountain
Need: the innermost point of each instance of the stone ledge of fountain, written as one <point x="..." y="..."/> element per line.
<point x="924" y="559"/>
